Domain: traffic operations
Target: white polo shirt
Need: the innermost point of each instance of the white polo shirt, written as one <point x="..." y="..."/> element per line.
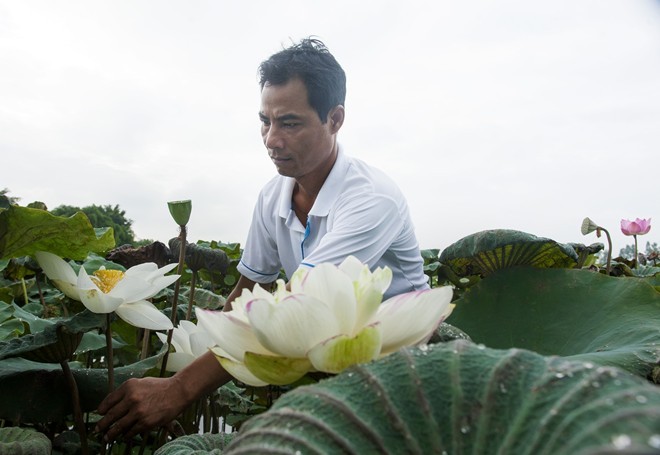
<point x="359" y="211"/>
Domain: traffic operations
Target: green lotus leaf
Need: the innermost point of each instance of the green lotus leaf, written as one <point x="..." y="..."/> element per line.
<point x="213" y="444"/>
<point x="575" y="313"/>
<point x="10" y="326"/>
<point x="60" y="351"/>
<point x="485" y="252"/>
<point x="460" y="397"/>
<point x="198" y="257"/>
<point x="587" y="255"/>
<point x="17" y="441"/>
<point x="646" y="271"/>
<point x="25" y="230"/>
<point x="203" y="298"/>
<point x="40" y="394"/>
<point x="10" y="329"/>
<point x="57" y="337"/>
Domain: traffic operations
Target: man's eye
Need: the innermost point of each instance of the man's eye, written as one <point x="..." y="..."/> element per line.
<point x="289" y="125"/>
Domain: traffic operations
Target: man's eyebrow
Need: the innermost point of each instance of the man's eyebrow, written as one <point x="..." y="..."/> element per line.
<point x="281" y="118"/>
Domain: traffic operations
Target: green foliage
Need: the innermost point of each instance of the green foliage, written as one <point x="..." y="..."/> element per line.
<point x="10" y="327"/>
<point x="25" y="230"/>
<point x="7" y="201"/>
<point x="19" y="441"/>
<point x="460" y="397"/>
<point x="581" y="316"/>
<point x="485" y="252"/>
<point x="103" y="216"/>
<point x="577" y="314"/>
<point x="57" y="338"/>
<point x="39" y="393"/>
<point x="223" y="284"/>
<point x="212" y="444"/>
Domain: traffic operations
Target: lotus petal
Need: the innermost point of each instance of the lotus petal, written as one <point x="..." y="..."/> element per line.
<point x="59" y="272"/>
<point x="340" y="352"/>
<point x="200" y="342"/>
<point x="327" y="283"/>
<point x="229" y="332"/>
<point x="291" y="327"/>
<point x="276" y="370"/>
<point x="181" y="336"/>
<point x="144" y="314"/>
<point x="177" y="361"/>
<point x="408" y="319"/>
<point x="237" y="369"/>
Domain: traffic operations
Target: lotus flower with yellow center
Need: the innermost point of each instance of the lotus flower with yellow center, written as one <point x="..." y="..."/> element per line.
<point x="106" y="291"/>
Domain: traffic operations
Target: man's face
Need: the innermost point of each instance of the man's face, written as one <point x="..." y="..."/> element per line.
<point x="296" y="140"/>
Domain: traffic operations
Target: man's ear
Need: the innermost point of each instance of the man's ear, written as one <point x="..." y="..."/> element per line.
<point x="336" y="118"/>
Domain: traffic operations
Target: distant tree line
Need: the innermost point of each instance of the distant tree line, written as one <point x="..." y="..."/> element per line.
<point x="104" y="216"/>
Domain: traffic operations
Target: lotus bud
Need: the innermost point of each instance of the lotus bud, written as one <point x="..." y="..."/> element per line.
<point x="180" y="211"/>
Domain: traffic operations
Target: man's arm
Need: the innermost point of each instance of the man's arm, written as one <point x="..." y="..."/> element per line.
<point x="141" y="404"/>
<point x="243" y="283"/>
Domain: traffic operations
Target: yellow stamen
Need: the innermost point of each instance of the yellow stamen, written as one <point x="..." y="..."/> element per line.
<point x="107" y="279"/>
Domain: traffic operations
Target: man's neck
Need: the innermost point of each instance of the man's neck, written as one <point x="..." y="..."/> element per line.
<point x="307" y="188"/>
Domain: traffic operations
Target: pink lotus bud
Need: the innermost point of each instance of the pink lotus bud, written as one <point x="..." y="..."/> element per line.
<point x="637" y="227"/>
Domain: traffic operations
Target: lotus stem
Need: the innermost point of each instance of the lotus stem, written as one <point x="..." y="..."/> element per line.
<point x="193" y="282"/>
<point x="109" y="357"/>
<point x="608" y="267"/>
<point x="175" y="299"/>
<point x="75" y="401"/>
<point x="25" y="296"/>
<point x="634" y="262"/>
<point x="45" y="313"/>
<point x="145" y="344"/>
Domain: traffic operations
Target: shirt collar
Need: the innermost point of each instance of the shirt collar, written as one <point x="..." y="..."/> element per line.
<point x="332" y="186"/>
<point x="329" y="191"/>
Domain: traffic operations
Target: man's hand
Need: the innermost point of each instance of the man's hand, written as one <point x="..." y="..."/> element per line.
<point x="139" y="405"/>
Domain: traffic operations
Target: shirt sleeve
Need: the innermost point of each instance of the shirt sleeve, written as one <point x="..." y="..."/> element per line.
<point x="260" y="261"/>
<point x="364" y="226"/>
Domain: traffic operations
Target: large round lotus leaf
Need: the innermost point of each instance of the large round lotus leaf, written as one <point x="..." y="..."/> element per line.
<point x="18" y="441"/>
<point x="56" y="342"/>
<point x="485" y="252"/>
<point x="23" y="231"/>
<point x="460" y="398"/>
<point x="572" y="313"/>
<point x="40" y="393"/>
<point x="212" y="444"/>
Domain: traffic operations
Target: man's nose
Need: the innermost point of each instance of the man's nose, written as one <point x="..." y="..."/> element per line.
<point x="273" y="138"/>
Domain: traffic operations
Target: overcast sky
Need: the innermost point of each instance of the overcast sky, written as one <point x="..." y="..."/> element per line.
<point x="516" y="114"/>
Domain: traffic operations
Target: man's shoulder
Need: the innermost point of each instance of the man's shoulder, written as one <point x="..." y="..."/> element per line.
<point x="273" y="191"/>
<point x="368" y="178"/>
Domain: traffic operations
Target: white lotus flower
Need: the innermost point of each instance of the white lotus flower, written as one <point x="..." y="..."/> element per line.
<point x="189" y="341"/>
<point x="331" y="319"/>
<point x="113" y="290"/>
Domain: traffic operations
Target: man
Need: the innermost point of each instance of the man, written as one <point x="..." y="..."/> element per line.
<point x="322" y="207"/>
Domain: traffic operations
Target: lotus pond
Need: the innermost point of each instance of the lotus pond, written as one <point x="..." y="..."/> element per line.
<point x="549" y="349"/>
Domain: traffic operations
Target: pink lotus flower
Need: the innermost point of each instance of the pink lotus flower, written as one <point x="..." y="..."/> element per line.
<point x="637" y="227"/>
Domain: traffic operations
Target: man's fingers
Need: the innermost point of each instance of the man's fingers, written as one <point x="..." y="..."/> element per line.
<point x="112" y="408"/>
<point x="124" y="426"/>
<point x="108" y="422"/>
<point x="110" y="400"/>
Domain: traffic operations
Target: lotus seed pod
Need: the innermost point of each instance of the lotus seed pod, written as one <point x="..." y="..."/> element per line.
<point x="180" y="211"/>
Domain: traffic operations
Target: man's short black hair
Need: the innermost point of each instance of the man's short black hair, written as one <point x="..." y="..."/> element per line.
<point x="314" y="65"/>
